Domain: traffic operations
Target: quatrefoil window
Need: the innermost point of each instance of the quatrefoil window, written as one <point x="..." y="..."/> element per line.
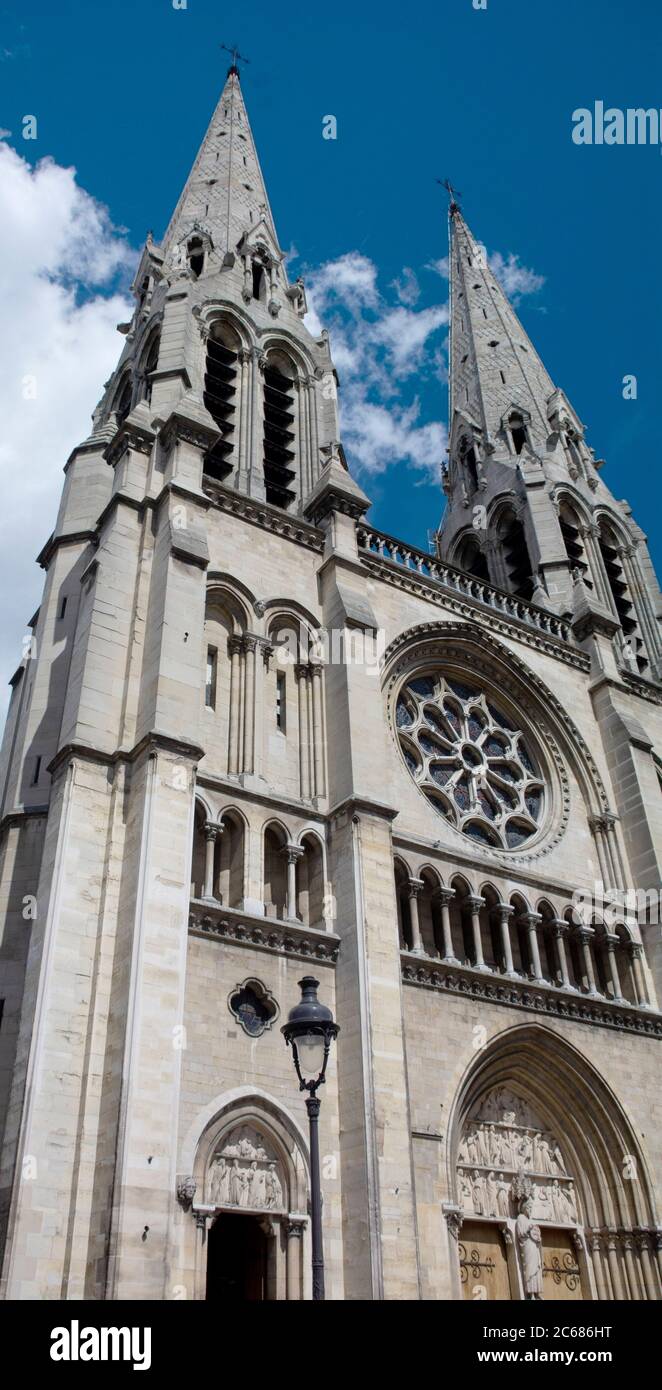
<point x="253" y="1007"/>
<point x="470" y="760"/>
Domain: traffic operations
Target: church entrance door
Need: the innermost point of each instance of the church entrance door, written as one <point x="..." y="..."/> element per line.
<point x="561" y="1276"/>
<point x="483" y="1265"/>
<point x="236" y="1260"/>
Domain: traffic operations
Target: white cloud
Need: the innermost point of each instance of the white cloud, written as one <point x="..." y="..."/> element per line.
<point x="406" y="287"/>
<point x="377" y="348"/>
<point x="439" y="267"/>
<point x="517" y="280"/>
<point x="60" y="261"/>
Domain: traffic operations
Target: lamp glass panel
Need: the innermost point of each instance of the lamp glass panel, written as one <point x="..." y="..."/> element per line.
<point x="310" y="1047"/>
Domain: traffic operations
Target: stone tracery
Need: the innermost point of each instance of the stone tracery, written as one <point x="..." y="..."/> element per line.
<point x="470" y="760"/>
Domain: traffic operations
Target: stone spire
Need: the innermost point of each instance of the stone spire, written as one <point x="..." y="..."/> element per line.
<point x="494" y="366"/>
<point x="225" y="192"/>
<point x="526" y="507"/>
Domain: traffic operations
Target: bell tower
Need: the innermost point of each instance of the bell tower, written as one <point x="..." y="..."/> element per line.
<point x="526" y="506"/>
<point x="218" y="330"/>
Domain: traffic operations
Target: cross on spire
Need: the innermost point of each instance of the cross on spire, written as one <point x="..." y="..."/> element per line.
<point x="453" y="193"/>
<point x="236" y="56"/>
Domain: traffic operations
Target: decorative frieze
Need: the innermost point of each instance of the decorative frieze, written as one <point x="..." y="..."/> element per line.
<point x="520" y="994"/>
<point x="242" y="929"/>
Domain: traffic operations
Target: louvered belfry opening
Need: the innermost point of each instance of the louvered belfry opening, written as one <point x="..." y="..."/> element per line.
<point x="220" y="398"/>
<point x="516" y="558"/>
<point x="574" y="545"/>
<point x="472" y="559"/>
<point x="621" y="596"/>
<point x="279" y="436"/>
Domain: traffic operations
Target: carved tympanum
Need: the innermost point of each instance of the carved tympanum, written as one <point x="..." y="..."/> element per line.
<point x="504" y="1144"/>
<point x="245" y="1173"/>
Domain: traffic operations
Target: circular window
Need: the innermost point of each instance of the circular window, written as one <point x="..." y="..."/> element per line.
<point x="470" y="760"/>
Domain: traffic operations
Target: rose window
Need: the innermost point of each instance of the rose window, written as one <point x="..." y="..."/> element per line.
<point x="473" y="764"/>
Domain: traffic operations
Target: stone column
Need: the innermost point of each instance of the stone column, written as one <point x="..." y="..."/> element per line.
<point x="657" y="1243"/>
<point x="612" y="842"/>
<point x="595" y="1246"/>
<point x="636" y="1289"/>
<point x="254" y="453"/>
<point x="644" y="1247"/>
<point x="614" y="1268"/>
<point x="292" y="853"/>
<point x="598" y="827"/>
<point x="211" y="831"/>
<point x="250" y="646"/>
<point x="585" y="936"/>
<point x="314" y="436"/>
<point x="414" y="889"/>
<point x="318" y="745"/>
<point x="301" y="673"/>
<point x="531" y="920"/>
<point x="294" y="1230"/>
<point x="611" y="942"/>
<point x="474" y="905"/>
<point x="504" y="913"/>
<point x="244" y="413"/>
<point x="443" y="897"/>
<point x="235" y="648"/>
<point x="560" y="930"/>
<point x="641" y="993"/>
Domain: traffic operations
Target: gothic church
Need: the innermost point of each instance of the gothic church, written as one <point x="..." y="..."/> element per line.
<point x="255" y="739"/>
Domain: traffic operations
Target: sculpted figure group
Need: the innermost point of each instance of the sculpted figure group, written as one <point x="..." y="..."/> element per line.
<point x="244" y="1175"/>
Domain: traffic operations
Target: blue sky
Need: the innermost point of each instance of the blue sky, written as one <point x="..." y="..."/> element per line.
<point x="123" y="92"/>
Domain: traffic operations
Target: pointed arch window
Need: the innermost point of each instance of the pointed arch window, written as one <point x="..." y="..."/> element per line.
<point x="612" y="556"/>
<point x="259" y="280"/>
<point x="518" y="432"/>
<point x="124" y="399"/>
<point x="220" y="397"/>
<point x="516" y="557"/>
<point x="196" y="256"/>
<point x="573" y="542"/>
<point x="470" y="558"/>
<point x="150" y="365"/>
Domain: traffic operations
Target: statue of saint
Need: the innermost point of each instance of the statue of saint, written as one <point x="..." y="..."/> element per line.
<point x="529" y="1244"/>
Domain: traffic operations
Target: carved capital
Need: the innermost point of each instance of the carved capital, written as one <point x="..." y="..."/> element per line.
<point x="415" y="887"/>
<point x="453" y="1216"/>
<point x="292" y="853"/>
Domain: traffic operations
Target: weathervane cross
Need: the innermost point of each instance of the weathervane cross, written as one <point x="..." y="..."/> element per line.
<point x="236" y="55"/>
<point x="453" y="193"/>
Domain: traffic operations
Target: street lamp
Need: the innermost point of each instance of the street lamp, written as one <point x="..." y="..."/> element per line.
<point x="310" y="1030"/>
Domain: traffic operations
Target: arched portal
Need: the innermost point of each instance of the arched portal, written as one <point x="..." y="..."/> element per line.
<point x="551" y="1192"/>
<point x="249" y="1237"/>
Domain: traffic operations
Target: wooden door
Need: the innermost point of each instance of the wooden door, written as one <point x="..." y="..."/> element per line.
<point x="561" y="1275"/>
<point x="483" y="1264"/>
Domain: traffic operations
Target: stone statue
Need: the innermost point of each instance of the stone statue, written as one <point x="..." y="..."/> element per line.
<point x="273" y="1187"/>
<point x="503" y="1196"/>
<point x="219" y="1184"/>
<point x="529" y="1244"/>
<point x="492" y="1189"/>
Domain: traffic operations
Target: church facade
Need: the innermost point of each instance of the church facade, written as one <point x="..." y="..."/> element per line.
<point x="255" y="739"/>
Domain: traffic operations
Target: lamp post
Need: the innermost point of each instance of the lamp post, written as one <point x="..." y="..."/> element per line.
<point x="310" y="1030"/>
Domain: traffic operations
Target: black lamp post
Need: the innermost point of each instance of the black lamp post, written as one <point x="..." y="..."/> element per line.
<point x="310" y="1030"/>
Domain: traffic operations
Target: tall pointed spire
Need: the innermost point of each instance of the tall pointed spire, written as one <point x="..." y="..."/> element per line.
<point x="494" y="365"/>
<point x="225" y="190"/>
